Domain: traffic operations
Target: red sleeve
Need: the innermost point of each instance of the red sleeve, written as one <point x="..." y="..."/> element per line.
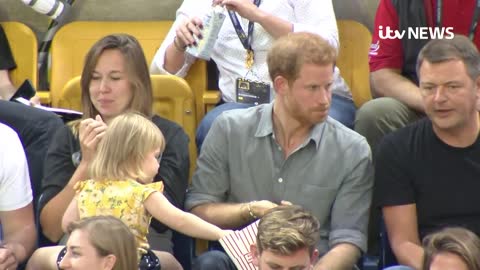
<point x="385" y="53"/>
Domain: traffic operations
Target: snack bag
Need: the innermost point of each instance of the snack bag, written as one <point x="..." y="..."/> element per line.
<point x="212" y="22"/>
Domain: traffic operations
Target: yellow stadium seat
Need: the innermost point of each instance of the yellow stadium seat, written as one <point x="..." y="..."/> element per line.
<point x="172" y="99"/>
<point x="205" y="99"/>
<point x="23" y="44"/>
<point x="355" y="41"/>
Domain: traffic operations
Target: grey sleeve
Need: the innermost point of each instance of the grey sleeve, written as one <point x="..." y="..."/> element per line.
<point x="350" y="211"/>
<point x="211" y="181"/>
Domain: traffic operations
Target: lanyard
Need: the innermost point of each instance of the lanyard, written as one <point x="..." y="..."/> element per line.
<point x="473" y="25"/>
<point x="246" y="39"/>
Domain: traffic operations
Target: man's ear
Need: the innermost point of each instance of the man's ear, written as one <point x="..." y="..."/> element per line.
<point x="314" y="257"/>
<point x="477" y="92"/>
<point x="255" y="255"/>
<point x="280" y="84"/>
<point x="109" y="262"/>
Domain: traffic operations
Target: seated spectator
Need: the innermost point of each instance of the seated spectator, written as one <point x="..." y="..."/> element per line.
<point x="18" y="233"/>
<point x="289" y="150"/>
<point x="100" y="242"/>
<point x="393" y="77"/>
<point x="286" y="239"/>
<point x="36" y="129"/>
<point x="262" y="22"/>
<point x="426" y="174"/>
<point x="7" y="63"/>
<point x="122" y="172"/>
<point x="115" y="79"/>
<point x="452" y="248"/>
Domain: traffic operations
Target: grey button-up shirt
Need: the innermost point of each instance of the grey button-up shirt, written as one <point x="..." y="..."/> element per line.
<point x="330" y="174"/>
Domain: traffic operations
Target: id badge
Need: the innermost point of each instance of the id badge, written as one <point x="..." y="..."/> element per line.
<point x="252" y="92"/>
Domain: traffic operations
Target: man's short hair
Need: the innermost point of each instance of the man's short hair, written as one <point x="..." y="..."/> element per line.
<point x="455" y="240"/>
<point x="286" y="229"/>
<point x="289" y="53"/>
<point x="457" y="48"/>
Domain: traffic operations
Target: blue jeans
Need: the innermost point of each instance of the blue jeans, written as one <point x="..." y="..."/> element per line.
<point x="342" y="110"/>
<point x="213" y="260"/>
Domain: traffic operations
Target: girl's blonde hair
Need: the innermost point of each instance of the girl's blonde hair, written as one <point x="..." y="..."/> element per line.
<point x="122" y="151"/>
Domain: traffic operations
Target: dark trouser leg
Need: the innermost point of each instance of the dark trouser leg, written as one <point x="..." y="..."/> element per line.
<point x="213" y="260"/>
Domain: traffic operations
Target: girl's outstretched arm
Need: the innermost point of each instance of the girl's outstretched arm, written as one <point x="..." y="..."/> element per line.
<point x="160" y="208"/>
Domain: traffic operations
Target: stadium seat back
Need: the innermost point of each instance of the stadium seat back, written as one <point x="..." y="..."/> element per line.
<point x="355" y="40"/>
<point x="23" y="44"/>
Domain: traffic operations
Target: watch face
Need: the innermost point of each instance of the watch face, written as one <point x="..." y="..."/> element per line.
<point x="76" y="158"/>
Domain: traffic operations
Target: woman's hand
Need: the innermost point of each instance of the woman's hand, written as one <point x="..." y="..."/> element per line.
<point x="90" y="134"/>
<point x="186" y="31"/>
<point x="245" y="8"/>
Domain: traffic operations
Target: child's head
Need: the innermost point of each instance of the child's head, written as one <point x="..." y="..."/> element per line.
<point x="129" y="150"/>
<point x="100" y="242"/>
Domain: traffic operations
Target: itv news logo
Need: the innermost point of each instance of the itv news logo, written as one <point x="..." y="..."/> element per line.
<point x="416" y="33"/>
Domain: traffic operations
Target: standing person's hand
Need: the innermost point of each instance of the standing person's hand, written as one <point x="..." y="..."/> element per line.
<point x="245" y="8"/>
<point x="8" y="261"/>
<point x="90" y="133"/>
<point x="186" y="31"/>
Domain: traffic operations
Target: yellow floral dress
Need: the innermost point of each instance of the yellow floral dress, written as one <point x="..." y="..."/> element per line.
<point x="122" y="199"/>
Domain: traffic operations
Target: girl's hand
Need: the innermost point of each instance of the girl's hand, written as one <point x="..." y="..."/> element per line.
<point x="283" y="202"/>
<point x="223" y="233"/>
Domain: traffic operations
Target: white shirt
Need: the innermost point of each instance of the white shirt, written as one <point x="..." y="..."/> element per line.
<point x="315" y="16"/>
<point x="15" y="188"/>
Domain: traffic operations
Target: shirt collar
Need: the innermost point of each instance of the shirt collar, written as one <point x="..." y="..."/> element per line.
<point x="265" y="126"/>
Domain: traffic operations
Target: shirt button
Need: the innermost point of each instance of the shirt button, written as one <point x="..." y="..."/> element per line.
<point x="280" y="180"/>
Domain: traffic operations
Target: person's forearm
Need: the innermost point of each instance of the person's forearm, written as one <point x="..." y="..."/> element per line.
<point x="24" y="246"/>
<point x="341" y="257"/>
<point x="274" y="25"/>
<point x="226" y="216"/>
<point x="52" y="213"/>
<point x="174" y="58"/>
<point x="201" y="229"/>
<point x="409" y="254"/>
<point x="390" y="83"/>
<point x="22" y="240"/>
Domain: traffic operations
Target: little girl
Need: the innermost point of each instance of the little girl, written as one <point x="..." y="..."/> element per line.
<point x="122" y="172"/>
